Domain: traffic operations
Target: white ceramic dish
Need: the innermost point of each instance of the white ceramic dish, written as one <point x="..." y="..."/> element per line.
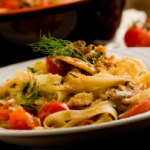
<point x="76" y="135"/>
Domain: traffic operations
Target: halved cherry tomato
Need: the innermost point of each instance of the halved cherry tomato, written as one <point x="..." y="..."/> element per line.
<point x="56" y="66"/>
<point x="4" y="111"/>
<point x="51" y="107"/>
<point x="140" y="108"/>
<point x="4" y="114"/>
<point x="5" y="106"/>
<point x="147" y="21"/>
<point x="22" y="120"/>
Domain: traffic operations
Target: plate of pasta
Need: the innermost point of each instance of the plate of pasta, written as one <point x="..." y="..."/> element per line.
<point x="76" y="94"/>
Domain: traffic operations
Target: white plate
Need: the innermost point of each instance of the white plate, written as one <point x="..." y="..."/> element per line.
<point x="76" y="135"/>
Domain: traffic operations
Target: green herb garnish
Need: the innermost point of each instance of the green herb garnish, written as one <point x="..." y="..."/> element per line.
<point x="141" y="73"/>
<point x="32" y="98"/>
<point x="115" y="107"/>
<point x="2" y="96"/>
<point x="38" y="62"/>
<point x="133" y="87"/>
<point x="52" y="46"/>
<point x="33" y="87"/>
<point x="64" y="100"/>
<point x="25" y="87"/>
<point x="34" y="94"/>
<point x="15" y="93"/>
<point x="13" y="85"/>
<point x="23" y="97"/>
<point x="32" y="69"/>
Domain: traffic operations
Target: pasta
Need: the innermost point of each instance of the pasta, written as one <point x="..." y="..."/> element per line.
<point x="76" y="85"/>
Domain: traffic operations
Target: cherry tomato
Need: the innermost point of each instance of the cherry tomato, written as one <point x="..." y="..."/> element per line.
<point x="51" y="107"/>
<point x="4" y="114"/>
<point x="22" y="120"/>
<point x="56" y="66"/>
<point x="4" y="111"/>
<point x="147" y="21"/>
<point x="137" y="37"/>
<point x="140" y="108"/>
<point x="10" y="4"/>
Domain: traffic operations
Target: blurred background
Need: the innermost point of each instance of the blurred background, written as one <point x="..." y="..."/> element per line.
<point x="94" y="21"/>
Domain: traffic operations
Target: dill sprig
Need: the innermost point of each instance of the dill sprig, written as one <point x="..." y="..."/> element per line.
<point x="53" y="46"/>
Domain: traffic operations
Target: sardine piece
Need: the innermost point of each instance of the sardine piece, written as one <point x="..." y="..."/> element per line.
<point x="123" y="94"/>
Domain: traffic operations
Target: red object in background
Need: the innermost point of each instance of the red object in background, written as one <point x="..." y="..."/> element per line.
<point x="10" y="4"/>
<point x="51" y="107"/>
<point x="138" y="36"/>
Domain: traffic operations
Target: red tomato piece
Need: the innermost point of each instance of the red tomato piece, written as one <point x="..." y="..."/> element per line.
<point x="5" y="106"/>
<point x="56" y="66"/>
<point x="140" y="108"/>
<point x="137" y="37"/>
<point x="51" y="107"/>
<point x="147" y="21"/>
<point x="4" y="114"/>
<point x="22" y="120"/>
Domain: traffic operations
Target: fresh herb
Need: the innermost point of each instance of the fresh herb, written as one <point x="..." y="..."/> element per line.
<point x="38" y="62"/>
<point x="133" y="87"/>
<point x="33" y="87"/>
<point x="64" y="100"/>
<point x="25" y="87"/>
<point x="115" y="107"/>
<point x="34" y="94"/>
<point x="32" y="69"/>
<point x="141" y="73"/>
<point x="2" y="96"/>
<point x="99" y="55"/>
<point x="15" y="93"/>
<point x="31" y="108"/>
<point x="91" y="60"/>
<point x="52" y="46"/>
<point x="13" y="85"/>
<point x="32" y="98"/>
<point x="23" y="97"/>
